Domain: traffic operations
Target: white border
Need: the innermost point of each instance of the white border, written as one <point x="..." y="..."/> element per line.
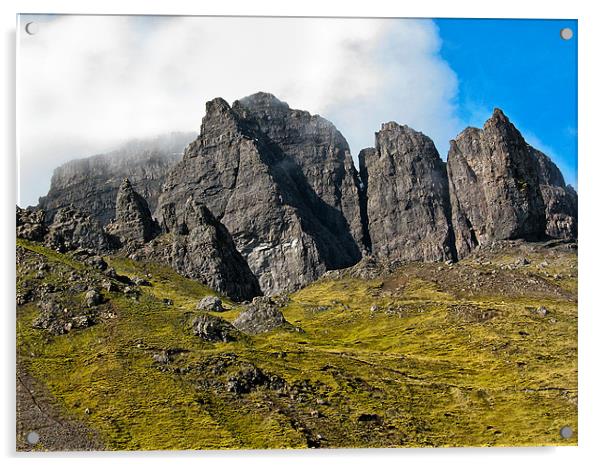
<point x="590" y="258"/>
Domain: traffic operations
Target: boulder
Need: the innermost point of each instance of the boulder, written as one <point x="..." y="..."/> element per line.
<point x="261" y="316"/>
<point x="210" y="303"/>
<point x="213" y="329"/>
<point x="92" y="298"/>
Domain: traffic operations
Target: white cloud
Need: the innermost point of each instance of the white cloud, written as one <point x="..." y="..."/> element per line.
<point x="87" y="83"/>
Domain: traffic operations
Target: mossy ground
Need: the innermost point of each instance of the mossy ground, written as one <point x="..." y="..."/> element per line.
<point x="419" y="358"/>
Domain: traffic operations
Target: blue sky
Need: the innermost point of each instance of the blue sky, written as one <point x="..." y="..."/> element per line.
<point x="524" y="68"/>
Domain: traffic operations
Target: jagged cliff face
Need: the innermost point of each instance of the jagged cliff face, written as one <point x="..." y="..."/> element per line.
<point x="407" y="197"/>
<point x="560" y="200"/>
<point x="202" y="249"/>
<point x="494" y="186"/>
<point x="91" y="184"/>
<point x="322" y="155"/>
<point x="267" y="199"/>
<point x="287" y="219"/>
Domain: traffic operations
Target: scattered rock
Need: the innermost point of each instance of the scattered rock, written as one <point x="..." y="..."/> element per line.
<point x="161" y="357"/>
<point x="210" y="303"/>
<point x="30" y="224"/>
<point x="250" y="378"/>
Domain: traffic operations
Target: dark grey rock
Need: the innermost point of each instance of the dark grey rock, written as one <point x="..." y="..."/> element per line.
<point x="91" y="184"/>
<point x="92" y="298"/>
<point x="213" y="329"/>
<point x="251" y="378"/>
<point x="140" y="281"/>
<point x="261" y="316"/>
<point x="30" y="224"/>
<point x="134" y="224"/>
<point x="72" y="229"/>
<point x="96" y="262"/>
<point x="559" y="198"/>
<point x="494" y="186"/>
<point x="210" y="303"/>
<point x="280" y="180"/>
<point x="202" y="249"/>
<point x="407" y="197"/>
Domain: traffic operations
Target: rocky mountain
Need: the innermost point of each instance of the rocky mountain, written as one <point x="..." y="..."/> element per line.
<point x="267" y="199"/>
<point x="281" y="181"/>
<point x="91" y="184"/>
<point x="408" y="209"/>
<point x="496" y="185"/>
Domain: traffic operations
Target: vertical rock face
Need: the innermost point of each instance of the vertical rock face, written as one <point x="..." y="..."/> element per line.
<point x="259" y="168"/>
<point x="201" y="248"/>
<point x="407" y="197"/>
<point x="91" y="184"/>
<point x="560" y="199"/>
<point x="322" y="154"/>
<point x="494" y="186"/>
<point x="134" y="223"/>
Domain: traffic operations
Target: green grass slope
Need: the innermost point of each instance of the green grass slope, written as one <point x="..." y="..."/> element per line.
<point x="431" y="355"/>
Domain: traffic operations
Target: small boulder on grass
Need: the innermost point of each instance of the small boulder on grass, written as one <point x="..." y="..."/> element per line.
<point x="210" y="303"/>
<point x="93" y="298"/>
<point x="213" y="329"/>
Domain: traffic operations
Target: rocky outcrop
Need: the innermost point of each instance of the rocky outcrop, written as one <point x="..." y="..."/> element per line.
<point x="261" y="316"/>
<point x="214" y="329"/>
<point x="72" y="229"/>
<point x="407" y="197"/>
<point x="494" y="186"/>
<point x="31" y="224"/>
<point x="91" y="184"/>
<point x="134" y="224"/>
<point x="201" y="248"/>
<point x="560" y="199"/>
<point x="260" y="168"/>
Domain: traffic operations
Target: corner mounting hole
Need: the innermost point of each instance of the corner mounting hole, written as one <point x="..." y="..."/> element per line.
<point x="33" y="438"/>
<point x="566" y="432"/>
<point x="566" y="33"/>
<point x="31" y="28"/>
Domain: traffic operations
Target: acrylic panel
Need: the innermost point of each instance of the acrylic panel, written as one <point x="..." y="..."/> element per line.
<point x="270" y="232"/>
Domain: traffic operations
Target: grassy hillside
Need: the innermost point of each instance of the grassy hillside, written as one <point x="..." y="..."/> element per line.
<point x="429" y="355"/>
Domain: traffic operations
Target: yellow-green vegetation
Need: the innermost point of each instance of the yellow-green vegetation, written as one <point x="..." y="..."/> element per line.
<point x="431" y="355"/>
